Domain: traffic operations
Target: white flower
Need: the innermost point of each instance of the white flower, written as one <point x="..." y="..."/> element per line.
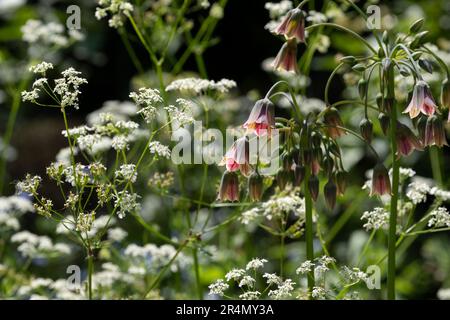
<point x="278" y="206"/>
<point x="118" y="9"/>
<point x="117" y="234"/>
<point x="8" y="222"/>
<point x="127" y="172"/>
<point x="376" y="219"/>
<point x="41" y="67"/>
<point x="126" y="202"/>
<point x="159" y="149"/>
<point x="249" y="216"/>
<point x="272" y="278"/>
<point x="29" y="185"/>
<point x="256" y="263"/>
<point x="49" y="34"/>
<point x="305" y="267"/>
<point x="247" y="281"/>
<point x="218" y="287"/>
<point x="201" y="86"/>
<point x="318" y="293"/>
<point x="443" y="294"/>
<point x="284" y="290"/>
<point x="31" y="96"/>
<point x="439" y="218"/>
<point x="120" y="142"/>
<point x="277" y="9"/>
<point x="417" y="192"/>
<point x="235" y="274"/>
<point x="250" y="295"/>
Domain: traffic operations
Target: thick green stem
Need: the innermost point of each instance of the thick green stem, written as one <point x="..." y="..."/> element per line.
<point x="435" y="164"/>
<point x="90" y="259"/>
<point x="309" y="229"/>
<point x="395" y="183"/>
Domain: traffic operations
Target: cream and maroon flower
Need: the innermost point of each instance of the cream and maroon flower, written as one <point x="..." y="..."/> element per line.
<point x="292" y="25"/>
<point x="237" y="157"/>
<point x="261" y="119"/>
<point x="407" y="141"/>
<point x="421" y="101"/>
<point x="286" y="58"/>
<point x="229" y="187"/>
<point x="381" y="184"/>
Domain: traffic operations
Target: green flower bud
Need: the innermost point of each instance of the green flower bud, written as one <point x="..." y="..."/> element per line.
<point x="313" y="187"/>
<point x="384" y="122"/>
<point x="299" y="174"/>
<point x="445" y="94"/>
<point x="416" y="26"/>
<point x="341" y="181"/>
<point x="366" y="128"/>
<point x="362" y="88"/>
<point x="330" y="192"/>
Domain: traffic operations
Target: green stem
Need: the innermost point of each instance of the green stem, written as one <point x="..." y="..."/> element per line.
<point x="309" y="229"/>
<point x="90" y="259"/>
<point x="395" y="184"/>
<point x="435" y="164"/>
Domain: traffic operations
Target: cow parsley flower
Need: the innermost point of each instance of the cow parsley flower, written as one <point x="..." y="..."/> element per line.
<point x="235" y="274"/>
<point x="218" y="287"/>
<point x="29" y="185"/>
<point x="249" y="215"/>
<point x="41" y="67"/>
<point x="256" y="263"/>
<point x="439" y="218"/>
<point x="126" y="202"/>
<point x="250" y="295"/>
<point x="147" y="99"/>
<point x="272" y="278"/>
<point x="8" y="222"/>
<point x="201" y="86"/>
<point x="117" y="234"/>
<point x="284" y="290"/>
<point x="49" y="34"/>
<point x="158" y="149"/>
<point x="127" y="172"/>
<point x="305" y="267"/>
<point x="417" y="192"/>
<point x="117" y="9"/>
<point x="67" y="87"/>
<point x="376" y="219"/>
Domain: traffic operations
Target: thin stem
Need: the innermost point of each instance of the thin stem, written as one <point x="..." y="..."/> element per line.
<point x="435" y="164"/>
<point x="354" y="34"/>
<point x="309" y="229"/>
<point x="327" y="86"/>
<point x="392" y="238"/>
<point x="90" y="259"/>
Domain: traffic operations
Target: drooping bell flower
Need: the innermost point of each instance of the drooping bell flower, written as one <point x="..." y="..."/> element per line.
<point x="261" y="119"/>
<point x="421" y="101"/>
<point x="255" y="186"/>
<point x="333" y="121"/>
<point x="435" y="132"/>
<point x="237" y="157"/>
<point x="286" y="58"/>
<point x="229" y="187"/>
<point x="330" y="192"/>
<point x="445" y="94"/>
<point x="381" y="184"/>
<point x="407" y="142"/>
<point x="341" y="182"/>
<point x="313" y="186"/>
<point x="292" y="25"/>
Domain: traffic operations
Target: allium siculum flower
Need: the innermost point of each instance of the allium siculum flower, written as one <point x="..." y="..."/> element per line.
<point x="422" y="101"/>
<point x="445" y="95"/>
<point x="229" y="187"/>
<point x="261" y="119"/>
<point x="333" y="120"/>
<point x="435" y="132"/>
<point x="407" y="142"/>
<point x="286" y="58"/>
<point x="255" y="187"/>
<point x="330" y="192"/>
<point x="381" y="184"/>
<point x="292" y="25"/>
<point x="237" y="157"/>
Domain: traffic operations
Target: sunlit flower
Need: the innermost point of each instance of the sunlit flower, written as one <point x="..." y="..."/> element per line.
<point x="292" y="25"/>
<point x="261" y="119"/>
<point x="237" y="157"/>
<point x="286" y="58"/>
<point x="422" y="101"/>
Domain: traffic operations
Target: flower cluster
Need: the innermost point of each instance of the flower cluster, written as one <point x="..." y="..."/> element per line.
<point x="117" y="9"/>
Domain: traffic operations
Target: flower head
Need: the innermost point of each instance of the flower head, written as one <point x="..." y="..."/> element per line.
<point x="293" y="25"/>
<point x="435" y="132"/>
<point x="334" y="122"/>
<point x="406" y="141"/>
<point x="261" y="119"/>
<point x="237" y="157"/>
<point x="286" y="58"/>
<point x="381" y="183"/>
<point x="422" y="101"/>
<point x="229" y="187"/>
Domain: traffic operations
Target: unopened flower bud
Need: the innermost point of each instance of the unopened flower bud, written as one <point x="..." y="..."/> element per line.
<point x="350" y="60"/>
<point x="362" y="88"/>
<point x="229" y="187"/>
<point x="299" y="174"/>
<point x="384" y="122"/>
<point x="255" y="186"/>
<point x="366" y="128"/>
<point x="313" y="187"/>
<point x="330" y="192"/>
<point x="381" y="183"/>
<point x="341" y="181"/>
<point x="416" y="26"/>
